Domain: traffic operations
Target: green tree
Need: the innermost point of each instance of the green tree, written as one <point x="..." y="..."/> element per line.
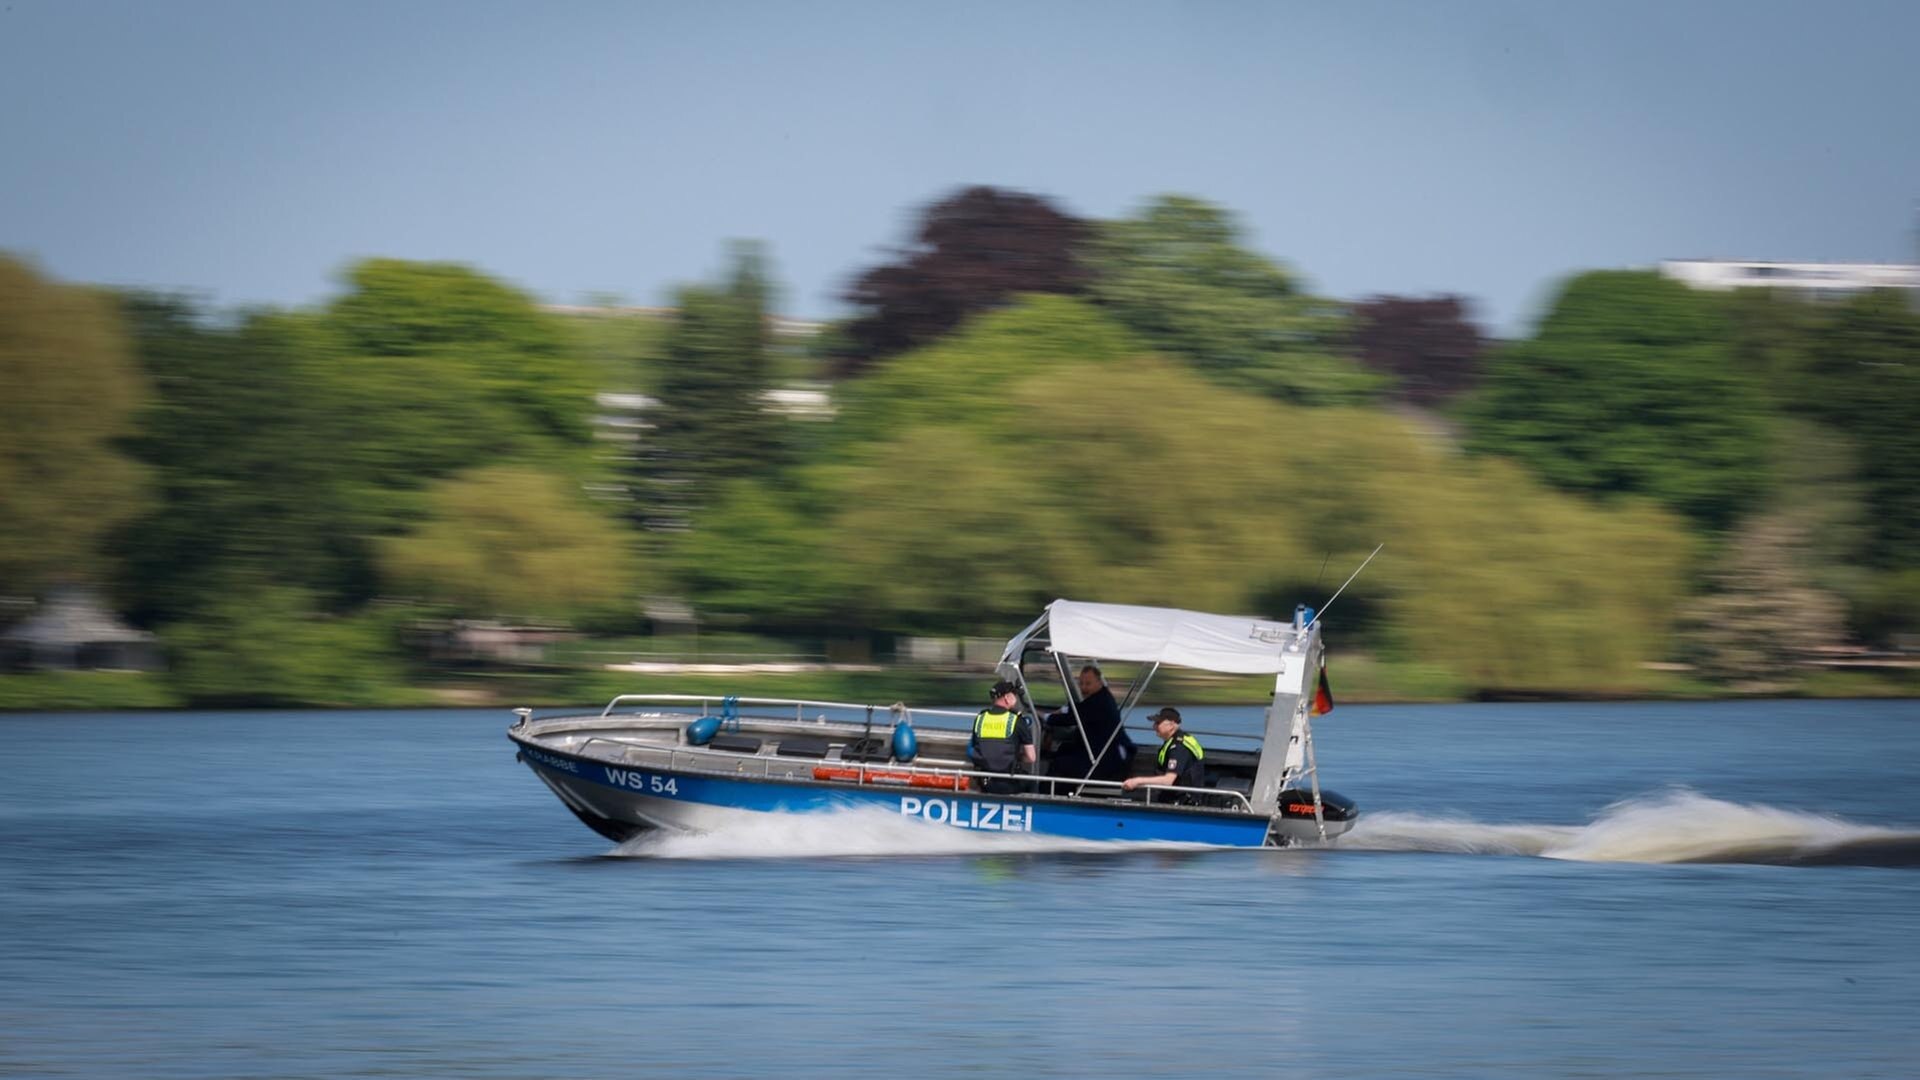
<point x="1206" y="498"/>
<point x="1761" y="621"/>
<point x="263" y="644"/>
<point x="514" y="353"/>
<point x="712" y="422"/>
<point x="1178" y="275"/>
<point x="1627" y="389"/>
<point x="964" y="377"/>
<point x="620" y="346"/>
<point x="1173" y="490"/>
<point x="1864" y="379"/>
<point x="1770" y="340"/>
<point x="1510" y="584"/>
<point x="509" y="540"/>
<point x="69" y="392"/>
<point x="1816" y="489"/>
<point x="247" y="462"/>
<point x="762" y="552"/>
<point x="285" y="443"/>
<point x="1133" y="480"/>
<point x="953" y="531"/>
<point x="434" y="368"/>
<point x="1885" y="608"/>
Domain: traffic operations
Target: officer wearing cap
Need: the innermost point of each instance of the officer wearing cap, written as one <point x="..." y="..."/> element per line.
<point x="1179" y="758"/>
<point x="1002" y="739"/>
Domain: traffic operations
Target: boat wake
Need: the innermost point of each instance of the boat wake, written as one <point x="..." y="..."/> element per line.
<point x="860" y="833"/>
<point x="1671" y="827"/>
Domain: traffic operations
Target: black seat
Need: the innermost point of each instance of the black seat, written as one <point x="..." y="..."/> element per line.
<point x="873" y="748"/>
<point x="1225" y="782"/>
<point x="1233" y="759"/>
<point x="802" y="746"/>
<point x="737" y="744"/>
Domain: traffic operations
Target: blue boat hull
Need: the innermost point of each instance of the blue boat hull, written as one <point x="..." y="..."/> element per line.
<point x="620" y="802"/>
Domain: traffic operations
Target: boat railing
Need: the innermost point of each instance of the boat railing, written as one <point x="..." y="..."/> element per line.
<point x="799" y="705"/>
<point x="708" y="701"/>
<point x="932" y="779"/>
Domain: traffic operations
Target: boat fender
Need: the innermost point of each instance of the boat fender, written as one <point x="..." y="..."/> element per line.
<point x="905" y="743"/>
<point x="702" y="731"/>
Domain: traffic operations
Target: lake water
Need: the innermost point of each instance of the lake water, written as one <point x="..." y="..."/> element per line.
<point x="1674" y="890"/>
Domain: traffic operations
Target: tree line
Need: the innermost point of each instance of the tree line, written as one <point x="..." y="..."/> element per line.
<point x="1026" y="405"/>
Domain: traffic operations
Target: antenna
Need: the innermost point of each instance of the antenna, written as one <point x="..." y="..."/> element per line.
<point x="1343" y="585"/>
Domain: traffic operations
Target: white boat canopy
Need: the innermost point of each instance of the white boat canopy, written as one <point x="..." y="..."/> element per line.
<point x="1231" y="644"/>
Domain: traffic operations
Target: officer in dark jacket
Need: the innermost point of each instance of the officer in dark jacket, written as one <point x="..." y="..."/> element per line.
<point x="1179" y="758"/>
<point x="1002" y="739"/>
<point x="1100" y="717"/>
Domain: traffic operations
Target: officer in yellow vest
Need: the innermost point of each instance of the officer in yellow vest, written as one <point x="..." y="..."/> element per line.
<point x="1003" y="739"/>
<point x="1179" y="759"/>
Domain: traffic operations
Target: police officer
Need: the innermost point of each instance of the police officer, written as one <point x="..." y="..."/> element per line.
<point x="1002" y="739"/>
<point x="1179" y="759"/>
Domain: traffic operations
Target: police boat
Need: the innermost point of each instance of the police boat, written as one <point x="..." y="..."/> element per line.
<point x="694" y="763"/>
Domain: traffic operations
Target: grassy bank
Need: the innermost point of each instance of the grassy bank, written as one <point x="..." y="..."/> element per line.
<point x="87" y="691"/>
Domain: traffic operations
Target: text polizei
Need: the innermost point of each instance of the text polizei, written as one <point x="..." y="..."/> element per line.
<point x="967" y="814"/>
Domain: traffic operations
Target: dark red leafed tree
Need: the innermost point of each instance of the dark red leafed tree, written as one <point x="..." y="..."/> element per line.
<point x="974" y="250"/>
<point x="1429" y="347"/>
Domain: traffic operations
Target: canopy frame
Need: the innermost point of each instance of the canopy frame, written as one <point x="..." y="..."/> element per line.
<point x="1233" y="644"/>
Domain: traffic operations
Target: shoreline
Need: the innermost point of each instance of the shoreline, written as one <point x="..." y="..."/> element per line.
<point x="57" y="692"/>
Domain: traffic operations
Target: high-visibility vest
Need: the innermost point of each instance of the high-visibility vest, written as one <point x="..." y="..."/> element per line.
<point x="994" y="724"/>
<point x="996" y="738"/>
<point x="1193" y="747"/>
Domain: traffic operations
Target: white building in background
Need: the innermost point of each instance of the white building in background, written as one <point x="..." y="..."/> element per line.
<point x="782" y="326"/>
<point x="623" y="422"/>
<point x="623" y="418"/>
<point x="1812" y="280"/>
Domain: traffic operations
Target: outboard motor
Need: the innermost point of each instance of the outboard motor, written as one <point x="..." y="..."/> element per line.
<point x="1293" y="823"/>
<point x="1296" y="804"/>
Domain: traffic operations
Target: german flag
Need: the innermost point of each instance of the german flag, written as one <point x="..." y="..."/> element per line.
<point x="1322" y="694"/>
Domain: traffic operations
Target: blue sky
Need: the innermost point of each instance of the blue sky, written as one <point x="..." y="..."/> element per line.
<point x="249" y="151"/>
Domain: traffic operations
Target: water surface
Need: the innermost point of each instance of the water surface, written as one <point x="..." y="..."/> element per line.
<point x="1536" y="890"/>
